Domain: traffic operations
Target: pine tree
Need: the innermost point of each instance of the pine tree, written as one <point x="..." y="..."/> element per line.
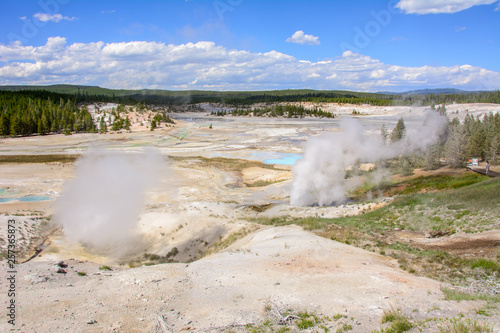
<point x="493" y="151"/>
<point x="4" y="125"/>
<point x="153" y="125"/>
<point x="399" y="131"/>
<point x="384" y="133"/>
<point x="103" y="128"/>
<point x="405" y="167"/>
<point x="455" y="147"/>
<point x="15" y="126"/>
<point x="431" y="159"/>
<point x="127" y="124"/>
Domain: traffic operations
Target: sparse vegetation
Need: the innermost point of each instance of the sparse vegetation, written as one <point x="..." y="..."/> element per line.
<point x="225" y="242"/>
<point x="282" y="318"/>
<point x="465" y="325"/>
<point x="398" y="321"/>
<point x="154" y="259"/>
<point x="262" y="183"/>
<point x="105" y="268"/>
<point x="455" y="207"/>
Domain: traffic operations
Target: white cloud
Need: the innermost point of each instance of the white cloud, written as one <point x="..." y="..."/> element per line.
<point x="458" y="29"/>
<point x="300" y="38"/>
<point x="44" y="17"/>
<point x="439" y="6"/>
<point x="112" y="11"/>
<point x="398" y="39"/>
<point x="205" y="65"/>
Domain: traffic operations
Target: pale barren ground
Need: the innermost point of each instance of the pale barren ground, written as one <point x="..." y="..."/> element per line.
<point x="199" y="203"/>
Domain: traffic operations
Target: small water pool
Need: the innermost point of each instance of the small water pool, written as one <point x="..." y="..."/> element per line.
<point x="277" y="158"/>
<point x="27" y="198"/>
<point x="267" y="157"/>
<point x="284" y="159"/>
<point x="31" y="198"/>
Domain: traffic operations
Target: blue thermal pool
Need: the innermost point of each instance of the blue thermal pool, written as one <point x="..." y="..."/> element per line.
<point x="31" y="198"/>
<point x="278" y="158"/>
<point x="28" y="198"/>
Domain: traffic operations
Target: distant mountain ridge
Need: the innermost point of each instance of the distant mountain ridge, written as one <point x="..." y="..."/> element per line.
<point x="430" y="91"/>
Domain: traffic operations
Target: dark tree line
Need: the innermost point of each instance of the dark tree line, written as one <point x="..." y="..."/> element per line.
<point x="29" y="112"/>
<point x="288" y="111"/>
<point x="91" y="94"/>
<point x="436" y="99"/>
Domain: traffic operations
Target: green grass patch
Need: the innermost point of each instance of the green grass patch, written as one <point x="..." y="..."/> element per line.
<point x="398" y="321"/>
<point x="465" y="325"/>
<point x="489" y="266"/>
<point x="417" y="185"/>
<point x="306" y="320"/>
<point x="456" y="295"/>
<point x="438" y="182"/>
<point x="50" y="158"/>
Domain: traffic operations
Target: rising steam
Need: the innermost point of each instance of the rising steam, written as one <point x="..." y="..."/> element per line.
<point x="100" y="207"/>
<point x="319" y="177"/>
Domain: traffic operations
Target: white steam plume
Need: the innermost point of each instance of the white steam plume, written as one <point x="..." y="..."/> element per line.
<point x="100" y="207"/>
<point x="319" y="177"/>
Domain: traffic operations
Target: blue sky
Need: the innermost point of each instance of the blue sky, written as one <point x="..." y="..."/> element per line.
<point x="358" y="45"/>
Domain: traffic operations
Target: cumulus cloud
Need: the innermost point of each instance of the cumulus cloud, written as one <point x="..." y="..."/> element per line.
<point x="205" y="65"/>
<point x="300" y="37"/>
<point x="44" y="17"/>
<point x="398" y="39"/>
<point x="439" y="6"/>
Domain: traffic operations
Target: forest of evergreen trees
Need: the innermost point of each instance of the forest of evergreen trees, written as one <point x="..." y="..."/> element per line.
<point x="472" y="138"/>
<point x="462" y="140"/>
<point x="279" y="110"/>
<point x="247" y="98"/>
<point x="28" y="112"/>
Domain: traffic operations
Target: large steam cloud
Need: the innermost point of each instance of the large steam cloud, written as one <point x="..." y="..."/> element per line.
<point x="319" y="177"/>
<point x="100" y="207"/>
